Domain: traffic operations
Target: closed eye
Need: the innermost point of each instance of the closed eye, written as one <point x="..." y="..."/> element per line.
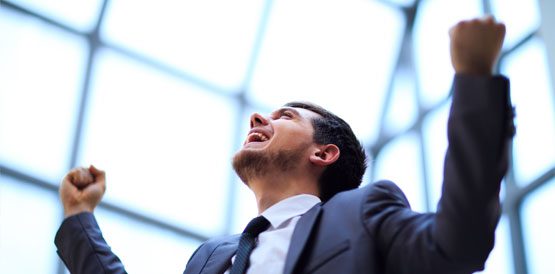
<point x="287" y="114"/>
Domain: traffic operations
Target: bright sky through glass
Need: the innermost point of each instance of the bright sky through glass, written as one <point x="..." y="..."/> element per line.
<point x="403" y="108"/>
<point x="499" y="260"/>
<point x="537" y="210"/>
<point x="533" y="97"/>
<point x="403" y="154"/>
<point x="81" y="15"/>
<point x="145" y="249"/>
<point x="167" y="143"/>
<point x="164" y="143"/>
<point x="341" y="57"/>
<point x="431" y="44"/>
<point x="520" y="17"/>
<point x="209" y="39"/>
<point x="29" y="217"/>
<point x="40" y="77"/>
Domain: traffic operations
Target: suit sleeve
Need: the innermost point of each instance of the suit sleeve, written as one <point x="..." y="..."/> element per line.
<point x="460" y="235"/>
<point x="83" y="249"/>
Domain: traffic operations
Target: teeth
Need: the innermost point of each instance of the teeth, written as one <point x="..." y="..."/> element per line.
<point x="259" y="136"/>
<point x="262" y="137"/>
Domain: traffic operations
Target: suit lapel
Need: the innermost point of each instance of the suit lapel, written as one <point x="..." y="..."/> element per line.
<point x="220" y="260"/>
<point x="300" y="237"/>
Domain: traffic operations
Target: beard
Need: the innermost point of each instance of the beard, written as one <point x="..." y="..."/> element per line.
<point x="249" y="164"/>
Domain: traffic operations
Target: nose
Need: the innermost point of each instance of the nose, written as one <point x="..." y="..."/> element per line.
<point x="258" y="120"/>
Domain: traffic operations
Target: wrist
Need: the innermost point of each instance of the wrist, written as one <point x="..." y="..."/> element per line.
<point x="74" y="210"/>
<point x="478" y="71"/>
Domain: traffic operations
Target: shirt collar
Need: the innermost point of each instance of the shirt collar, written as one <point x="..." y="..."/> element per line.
<point x="288" y="208"/>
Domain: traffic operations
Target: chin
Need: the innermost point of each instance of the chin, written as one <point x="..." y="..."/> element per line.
<point x="250" y="162"/>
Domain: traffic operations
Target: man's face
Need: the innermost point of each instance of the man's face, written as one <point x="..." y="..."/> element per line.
<point x="278" y="142"/>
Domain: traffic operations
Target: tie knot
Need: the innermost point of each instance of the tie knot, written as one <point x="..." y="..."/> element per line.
<point x="256" y="226"/>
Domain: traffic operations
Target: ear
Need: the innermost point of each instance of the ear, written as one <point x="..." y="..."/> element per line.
<point x="325" y="155"/>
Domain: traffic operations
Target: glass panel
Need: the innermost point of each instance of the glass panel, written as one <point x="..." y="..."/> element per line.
<point x="144" y="248"/>
<point x="435" y="144"/>
<point x="81" y="15"/>
<point x="245" y="207"/>
<point x="403" y="108"/>
<point x="538" y="227"/>
<point x="342" y="58"/>
<point x="431" y="44"/>
<point x="404" y="3"/>
<point x="368" y="177"/>
<point x="400" y="162"/>
<point x="500" y="258"/>
<point x="210" y="39"/>
<point x="520" y="17"/>
<point x="29" y="218"/>
<point x="166" y="145"/>
<point x="532" y="95"/>
<point x="40" y="79"/>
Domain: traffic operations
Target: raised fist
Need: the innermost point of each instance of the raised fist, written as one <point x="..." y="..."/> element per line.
<point x="82" y="189"/>
<point x="475" y="45"/>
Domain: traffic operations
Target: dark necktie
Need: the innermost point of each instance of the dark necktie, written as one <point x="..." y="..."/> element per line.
<point x="247" y="243"/>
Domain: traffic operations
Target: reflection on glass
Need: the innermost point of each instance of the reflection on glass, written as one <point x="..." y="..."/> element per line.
<point x="210" y="39"/>
<point x="538" y="227"/>
<point x="500" y="258"/>
<point x="143" y="248"/>
<point x="41" y="72"/>
<point x="400" y="162"/>
<point x="520" y="17"/>
<point x="435" y="144"/>
<point x="166" y="145"/>
<point x="342" y="58"/>
<point x="431" y="44"/>
<point x="532" y="95"/>
<point x="403" y="109"/>
<point x="29" y="218"/>
<point x="81" y="15"/>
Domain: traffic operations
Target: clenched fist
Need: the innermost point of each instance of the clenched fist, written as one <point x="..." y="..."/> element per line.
<point x="475" y="45"/>
<point x="82" y="189"/>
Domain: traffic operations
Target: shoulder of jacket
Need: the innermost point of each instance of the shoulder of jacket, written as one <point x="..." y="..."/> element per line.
<point x="382" y="189"/>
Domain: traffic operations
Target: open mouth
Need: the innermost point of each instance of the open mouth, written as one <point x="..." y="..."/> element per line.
<point x="256" y="137"/>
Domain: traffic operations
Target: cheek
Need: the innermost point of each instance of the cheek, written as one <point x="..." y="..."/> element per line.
<point x="292" y="134"/>
<point x="296" y="138"/>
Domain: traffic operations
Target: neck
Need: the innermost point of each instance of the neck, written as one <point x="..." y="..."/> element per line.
<point x="269" y="191"/>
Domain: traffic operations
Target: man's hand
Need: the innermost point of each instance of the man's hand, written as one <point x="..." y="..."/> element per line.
<point x="475" y="45"/>
<point x="82" y="189"/>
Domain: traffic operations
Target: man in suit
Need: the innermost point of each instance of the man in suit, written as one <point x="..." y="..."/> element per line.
<point x="304" y="166"/>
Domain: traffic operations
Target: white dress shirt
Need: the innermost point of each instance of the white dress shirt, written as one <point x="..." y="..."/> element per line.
<point x="268" y="257"/>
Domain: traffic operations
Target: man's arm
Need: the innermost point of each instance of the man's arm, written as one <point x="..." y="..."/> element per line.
<point x="459" y="237"/>
<point x="79" y="239"/>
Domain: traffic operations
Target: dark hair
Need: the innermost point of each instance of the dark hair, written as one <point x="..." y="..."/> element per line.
<point x="346" y="173"/>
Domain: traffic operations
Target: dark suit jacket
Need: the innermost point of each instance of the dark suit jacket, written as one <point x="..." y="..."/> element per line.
<point x="372" y="229"/>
